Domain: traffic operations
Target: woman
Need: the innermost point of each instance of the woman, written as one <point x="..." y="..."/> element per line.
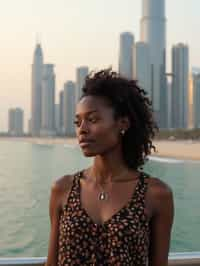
<point x="112" y="213"/>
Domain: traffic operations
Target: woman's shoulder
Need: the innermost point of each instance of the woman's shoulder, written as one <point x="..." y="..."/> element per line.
<point x="60" y="189"/>
<point x="62" y="183"/>
<point x="159" y="191"/>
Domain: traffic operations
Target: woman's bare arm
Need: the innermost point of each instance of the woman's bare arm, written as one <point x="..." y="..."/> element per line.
<point x="161" y="223"/>
<point x="58" y="190"/>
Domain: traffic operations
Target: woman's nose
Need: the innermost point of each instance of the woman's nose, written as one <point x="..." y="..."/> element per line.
<point x="83" y="127"/>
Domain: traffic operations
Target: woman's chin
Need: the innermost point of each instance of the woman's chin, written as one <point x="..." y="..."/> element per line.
<point x="88" y="152"/>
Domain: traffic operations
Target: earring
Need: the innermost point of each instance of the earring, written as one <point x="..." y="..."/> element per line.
<point x="122" y="132"/>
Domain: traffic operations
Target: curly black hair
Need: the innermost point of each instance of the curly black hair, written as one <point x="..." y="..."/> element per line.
<point x="127" y="100"/>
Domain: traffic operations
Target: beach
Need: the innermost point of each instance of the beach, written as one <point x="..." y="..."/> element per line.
<point x="179" y="149"/>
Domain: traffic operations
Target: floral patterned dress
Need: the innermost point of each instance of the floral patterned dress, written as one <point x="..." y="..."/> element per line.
<point x="121" y="240"/>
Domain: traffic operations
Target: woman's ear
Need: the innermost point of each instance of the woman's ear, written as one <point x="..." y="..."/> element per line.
<point x="124" y="123"/>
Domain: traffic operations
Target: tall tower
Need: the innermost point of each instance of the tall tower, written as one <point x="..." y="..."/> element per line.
<point x="126" y="55"/>
<point x="81" y="73"/>
<point x="69" y="108"/>
<point x="37" y="67"/>
<point x="141" y="66"/>
<point x="48" y="101"/>
<point x="61" y="111"/>
<point x="153" y="32"/>
<point x="16" y="122"/>
<point x="196" y="99"/>
<point x="180" y="71"/>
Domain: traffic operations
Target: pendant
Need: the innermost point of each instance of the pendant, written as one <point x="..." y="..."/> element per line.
<point x="103" y="195"/>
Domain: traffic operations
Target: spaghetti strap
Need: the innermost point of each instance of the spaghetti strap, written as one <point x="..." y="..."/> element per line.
<point x="73" y="190"/>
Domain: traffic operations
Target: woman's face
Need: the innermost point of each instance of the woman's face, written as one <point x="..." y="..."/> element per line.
<point x="96" y="129"/>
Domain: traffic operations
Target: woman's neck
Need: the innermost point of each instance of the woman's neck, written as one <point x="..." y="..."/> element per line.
<point x="109" y="169"/>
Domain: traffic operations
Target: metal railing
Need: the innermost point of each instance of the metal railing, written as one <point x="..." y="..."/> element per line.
<point x="175" y="259"/>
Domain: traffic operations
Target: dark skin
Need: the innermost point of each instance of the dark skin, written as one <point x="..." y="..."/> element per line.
<point x="94" y="121"/>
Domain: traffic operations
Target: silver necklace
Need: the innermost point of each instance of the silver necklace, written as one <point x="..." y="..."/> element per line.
<point x="104" y="195"/>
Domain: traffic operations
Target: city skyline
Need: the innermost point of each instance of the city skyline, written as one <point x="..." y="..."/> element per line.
<point x="60" y="39"/>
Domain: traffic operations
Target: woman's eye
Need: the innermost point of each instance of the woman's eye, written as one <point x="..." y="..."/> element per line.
<point x="93" y="120"/>
<point x="76" y="122"/>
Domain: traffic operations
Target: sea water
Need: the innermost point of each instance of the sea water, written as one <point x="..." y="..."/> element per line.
<point x="27" y="171"/>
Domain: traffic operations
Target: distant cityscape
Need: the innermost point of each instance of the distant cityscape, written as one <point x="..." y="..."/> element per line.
<point x="175" y="96"/>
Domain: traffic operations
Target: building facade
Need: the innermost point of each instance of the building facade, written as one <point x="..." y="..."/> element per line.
<point x="126" y="55"/>
<point x="16" y="122"/>
<point x="57" y="118"/>
<point x="141" y="66"/>
<point x="69" y="108"/>
<point x="61" y="112"/>
<point x="196" y="100"/>
<point x="153" y="32"/>
<point x="48" y="101"/>
<point x="81" y="73"/>
<point x="180" y="82"/>
<point x="36" y="96"/>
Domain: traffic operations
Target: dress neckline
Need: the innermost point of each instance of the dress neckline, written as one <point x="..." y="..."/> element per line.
<point x="118" y="212"/>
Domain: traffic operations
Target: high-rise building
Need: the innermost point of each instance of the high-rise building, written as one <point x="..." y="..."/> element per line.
<point x="169" y="104"/>
<point x="29" y="126"/>
<point x="16" y="122"/>
<point x="190" y="100"/>
<point x="141" y="66"/>
<point x="61" y="112"/>
<point x="126" y="55"/>
<point x="81" y="73"/>
<point x="37" y="67"/>
<point x="57" y="118"/>
<point x="48" y="101"/>
<point x="69" y="108"/>
<point x="153" y="32"/>
<point x="180" y="71"/>
<point x="11" y="121"/>
<point x="196" y="100"/>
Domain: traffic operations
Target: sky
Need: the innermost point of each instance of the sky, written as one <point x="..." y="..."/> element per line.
<point x="75" y="33"/>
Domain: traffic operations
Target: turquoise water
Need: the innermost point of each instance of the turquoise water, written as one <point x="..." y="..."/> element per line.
<point x="27" y="171"/>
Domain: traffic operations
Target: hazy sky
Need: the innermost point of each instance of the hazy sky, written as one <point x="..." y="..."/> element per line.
<point x="74" y="33"/>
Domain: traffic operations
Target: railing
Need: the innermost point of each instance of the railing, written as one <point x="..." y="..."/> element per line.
<point x="184" y="259"/>
<point x="175" y="259"/>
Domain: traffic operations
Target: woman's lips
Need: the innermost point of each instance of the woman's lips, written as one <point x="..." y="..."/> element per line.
<point x="85" y="143"/>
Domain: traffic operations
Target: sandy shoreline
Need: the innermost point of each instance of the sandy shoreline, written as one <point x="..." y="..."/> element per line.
<point x="179" y="149"/>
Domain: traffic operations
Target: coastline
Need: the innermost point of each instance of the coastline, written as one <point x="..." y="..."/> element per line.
<point x="179" y="149"/>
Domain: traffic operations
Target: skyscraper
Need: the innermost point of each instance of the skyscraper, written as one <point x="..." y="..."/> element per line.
<point x="153" y="32"/>
<point x="16" y="122"/>
<point x="69" y="108"/>
<point x="196" y="100"/>
<point x="48" y="101"/>
<point x="126" y="55"/>
<point x="191" y="99"/>
<point x="37" y="67"/>
<point x="57" y="118"/>
<point x="81" y="73"/>
<point x="11" y="121"/>
<point x="180" y="71"/>
<point x="61" y="112"/>
<point x="169" y="104"/>
<point x="141" y="66"/>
